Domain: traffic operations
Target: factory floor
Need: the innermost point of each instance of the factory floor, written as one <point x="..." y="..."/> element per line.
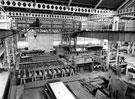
<point x="78" y="90"/>
<point x="81" y="93"/>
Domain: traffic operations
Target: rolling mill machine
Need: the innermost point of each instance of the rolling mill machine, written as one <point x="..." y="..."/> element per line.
<point x="37" y="67"/>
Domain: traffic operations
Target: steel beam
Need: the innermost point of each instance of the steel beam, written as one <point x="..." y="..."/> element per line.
<point x="122" y="5"/>
<point x="1" y="7"/>
<point x="98" y="4"/>
<point x="128" y="16"/>
<point x="126" y="11"/>
<point x="97" y="17"/>
<point x="129" y="4"/>
<point x="43" y="16"/>
<point x="50" y="7"/>
<point x="35" y="3"/>
<point x="70" y="1"/>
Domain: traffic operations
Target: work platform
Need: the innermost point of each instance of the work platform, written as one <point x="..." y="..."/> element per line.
<point x="109" y="35"/>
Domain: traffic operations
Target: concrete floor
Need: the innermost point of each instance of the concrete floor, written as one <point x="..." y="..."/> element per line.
<point x="38" y="93"/>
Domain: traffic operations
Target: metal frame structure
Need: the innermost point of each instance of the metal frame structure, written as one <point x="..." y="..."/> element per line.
<point x="97" y="14"/>
<point x="44" y="6"/>
<point x="126" y="11"/>
<point x="15" y="15"/>
<point x="128" y="4"/>
<point x="122" y="4"/>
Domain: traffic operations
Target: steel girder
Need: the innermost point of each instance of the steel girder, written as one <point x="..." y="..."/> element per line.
<point x="54" y="7"/>
<point x="126" y="11"/>
<point x="14" y="14"/>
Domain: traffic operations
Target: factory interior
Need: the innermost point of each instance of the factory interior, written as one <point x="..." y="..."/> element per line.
<point x="67" y="49"/>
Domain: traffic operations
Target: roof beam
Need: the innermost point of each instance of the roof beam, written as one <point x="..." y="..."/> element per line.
<point x="129" y="3"/>
<point x="1" y="7"/>
<point x="35" y="1"/>
<point x="60" y="9"/>
<point x="122" y="4"/>
<point x="70" y="1"/>
<point x="98" y="4"/>
<point x="100" y="1"/>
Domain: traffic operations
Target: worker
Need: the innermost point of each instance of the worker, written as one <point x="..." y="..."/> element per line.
<point x="63" y="72"/>
<point x="72" y="71"/>
<point x="35" y="75"/>
<point x="45" y="75"/>
<point x="30" y="74"/>
<point x="24" y="78"/>
<point x="50" y="73"/>
<point x="54" y="73"/>
<point x="40" y="74"/>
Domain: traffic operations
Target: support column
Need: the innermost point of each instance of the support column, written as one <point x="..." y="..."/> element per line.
<point x="129" y="48"/>
<point x="75" y="43"/>
<point x="14" y="48"/>
<point x="108" y="55"/>
<point x="13" y="51"/>
<point x="117" y="55"/>
<point x="7" y="52"/>
<point x="115" y="25"/>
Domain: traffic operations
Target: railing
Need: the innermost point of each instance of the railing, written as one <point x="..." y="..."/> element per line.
<point x="105" y="28"/>
<point x="48" y="25"/>
<point x="96" y="27"/>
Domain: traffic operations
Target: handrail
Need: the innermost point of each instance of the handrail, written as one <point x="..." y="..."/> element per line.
<point x="105" y="28"/>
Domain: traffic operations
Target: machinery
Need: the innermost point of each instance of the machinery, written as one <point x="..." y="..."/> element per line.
<point x="36" y="67"/>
